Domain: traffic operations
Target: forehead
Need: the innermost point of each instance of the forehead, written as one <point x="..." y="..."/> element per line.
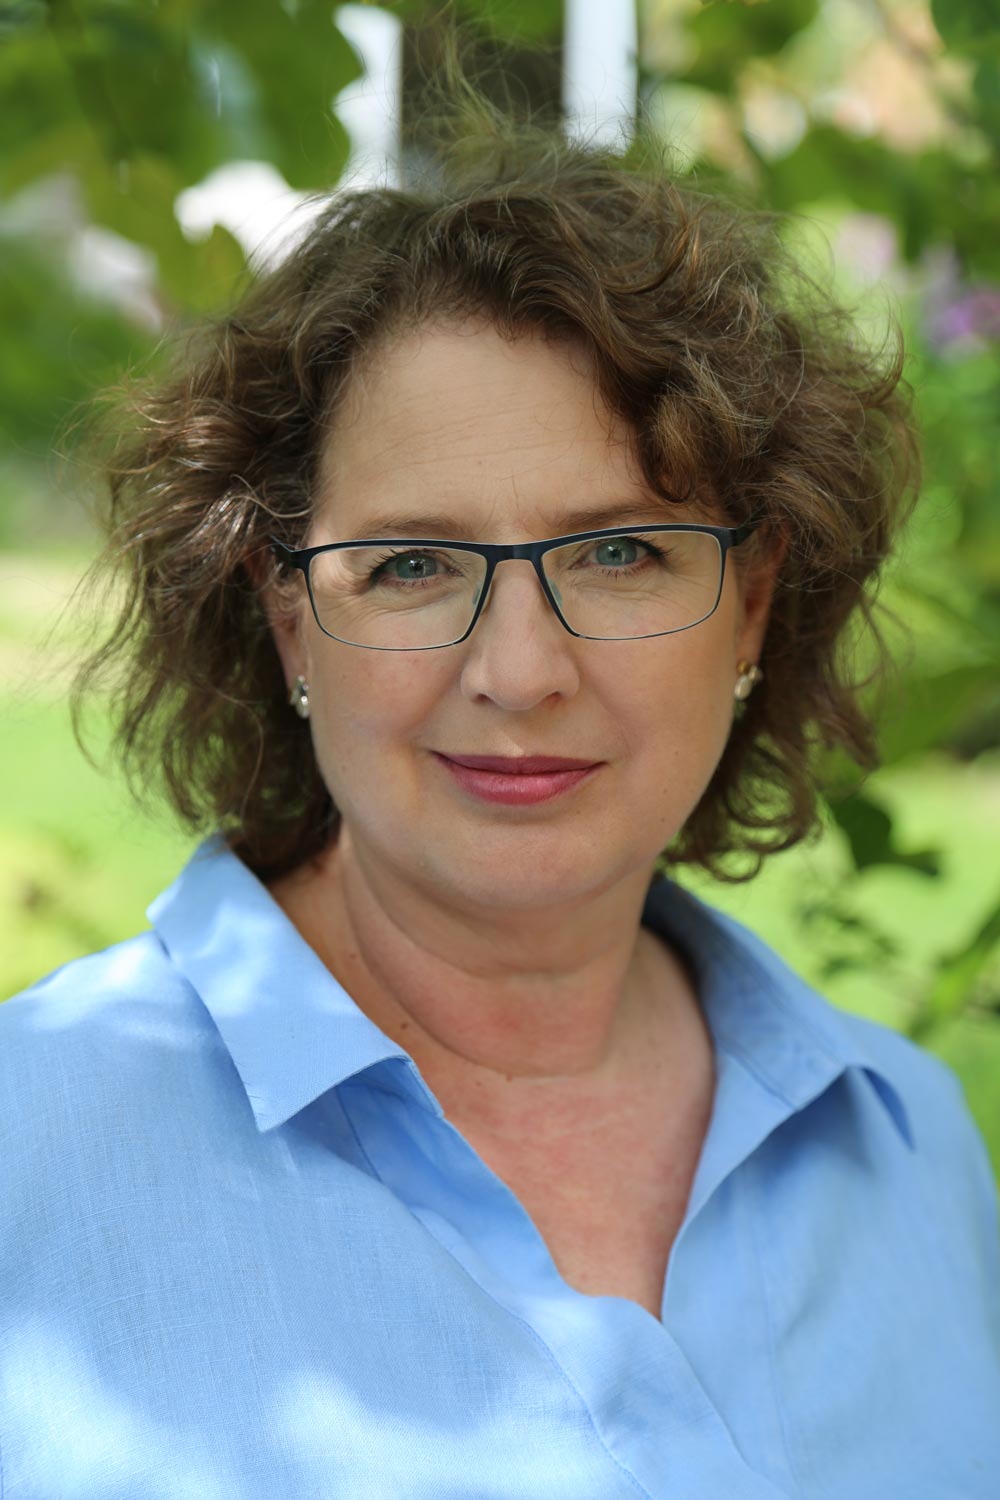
<point x="460" y="413"/>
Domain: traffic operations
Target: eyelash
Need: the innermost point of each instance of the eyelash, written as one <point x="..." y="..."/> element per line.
<point x="652" y="550"/>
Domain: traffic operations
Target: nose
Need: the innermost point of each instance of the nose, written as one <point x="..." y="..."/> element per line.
<point x="525" y="589"/>
<point x="519" y="652"/>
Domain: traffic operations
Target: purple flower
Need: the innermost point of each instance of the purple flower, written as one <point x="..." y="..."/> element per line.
<point x="957" y="314"/>
<point x="976" y="314"/>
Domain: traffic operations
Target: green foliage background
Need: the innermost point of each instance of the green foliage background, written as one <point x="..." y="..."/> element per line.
<point x="112" y="108"/>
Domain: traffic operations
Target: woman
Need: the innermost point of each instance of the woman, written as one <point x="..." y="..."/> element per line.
<point x="490" y="562"/>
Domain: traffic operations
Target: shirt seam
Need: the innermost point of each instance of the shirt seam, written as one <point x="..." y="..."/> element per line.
<point x="746" y="1061"/>
<point x="532" y="1332"/>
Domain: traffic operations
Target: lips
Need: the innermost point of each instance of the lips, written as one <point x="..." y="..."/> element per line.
<point x="520" y="765"/>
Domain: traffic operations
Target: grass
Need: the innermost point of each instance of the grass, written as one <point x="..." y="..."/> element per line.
<point x="78" y="863"/>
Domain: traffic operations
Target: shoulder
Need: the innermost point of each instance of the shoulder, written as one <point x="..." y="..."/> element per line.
<point x="99" y="1029"/>
<point x="927" y="1087"/>
<point x="795" y="1039"/>
<point x="944" y="1136"/>
<point x="931" y="1090"/>
<point x="82" y="998"/>
<point x="942" y="1154"/>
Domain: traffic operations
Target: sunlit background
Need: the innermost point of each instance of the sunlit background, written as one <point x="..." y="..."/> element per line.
<point x="150" y="149"/>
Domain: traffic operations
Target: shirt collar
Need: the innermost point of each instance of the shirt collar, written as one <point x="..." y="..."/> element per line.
<point x="761" y="1012"/>
<point x="291" y="1029"/>
<point x="293" y="1032"/>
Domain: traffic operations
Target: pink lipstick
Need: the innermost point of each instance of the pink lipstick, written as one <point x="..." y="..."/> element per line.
<point x="517" y="780"/>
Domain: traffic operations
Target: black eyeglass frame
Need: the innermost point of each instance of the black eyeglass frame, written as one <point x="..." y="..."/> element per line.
<point x="497" y="552"/>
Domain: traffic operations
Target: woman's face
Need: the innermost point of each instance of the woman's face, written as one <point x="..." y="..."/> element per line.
<point x="507" y="438"/>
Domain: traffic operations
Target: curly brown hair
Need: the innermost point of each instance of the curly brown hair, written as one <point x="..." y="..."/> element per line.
<point x="743" y="380"/>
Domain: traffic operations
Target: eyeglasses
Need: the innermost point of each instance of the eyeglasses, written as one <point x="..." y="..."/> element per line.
<point x="419" y="594"/>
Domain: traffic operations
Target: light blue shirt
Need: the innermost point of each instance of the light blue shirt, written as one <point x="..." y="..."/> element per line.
<point x="245" y="1256"/>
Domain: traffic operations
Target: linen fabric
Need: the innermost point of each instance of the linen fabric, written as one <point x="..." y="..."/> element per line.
<point x="246" y="1256"/>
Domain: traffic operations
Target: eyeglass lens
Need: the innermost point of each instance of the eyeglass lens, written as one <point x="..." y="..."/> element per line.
<point x="610" y="588"/>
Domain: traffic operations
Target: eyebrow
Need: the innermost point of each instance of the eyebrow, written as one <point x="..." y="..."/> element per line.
<point x="593" y="518"/>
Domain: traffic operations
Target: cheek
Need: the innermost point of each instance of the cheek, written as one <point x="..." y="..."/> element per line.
<point x="680" y="713"/>
<point x="684" y="683"/>
<point x="368" y="704"/>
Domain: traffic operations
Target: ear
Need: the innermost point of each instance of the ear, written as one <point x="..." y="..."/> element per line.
<point x="283" y="610"/>
<point x="757" y="581"/>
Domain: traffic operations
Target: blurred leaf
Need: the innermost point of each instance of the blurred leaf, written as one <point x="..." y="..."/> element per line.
<point x="968" y="25"/>
<point x="76" y="344"/>
<point x="869" y="831"/>
<point x="298" y="62"/>
<point x="986" y="93"/>
<point x="919" y="192"/>
<point x="958" y="973"/>
<point x="727" y="35"/>
<point x="933" y="708"/>
<point x="512" y="21"/>
<point x="976" y="621"/>
<point x="133" y="78"/>
<point x="141" y="102"/>
<point x="137" y="203"/>
<point x="39" y="101"/>
<point x="971" y="1045"/>
<point x="840" y="939"/>
<point x="205" y="274"/>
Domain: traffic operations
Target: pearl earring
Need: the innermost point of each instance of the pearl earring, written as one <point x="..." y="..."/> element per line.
<point x="750" y="675"/>
<point x="299" y="697"/>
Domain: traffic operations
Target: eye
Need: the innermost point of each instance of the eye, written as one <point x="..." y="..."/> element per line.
<point x="624" y="552"/>
<point x="422" y="561"/>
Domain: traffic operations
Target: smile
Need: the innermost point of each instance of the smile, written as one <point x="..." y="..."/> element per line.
<point x="516" y="788"/>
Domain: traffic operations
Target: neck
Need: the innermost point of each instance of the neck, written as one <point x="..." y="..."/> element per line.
<point x="498" y="1010"/>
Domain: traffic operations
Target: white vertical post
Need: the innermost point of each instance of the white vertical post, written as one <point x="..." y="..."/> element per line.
<point x="600" y="69"/>
<point x="371" y="106"/>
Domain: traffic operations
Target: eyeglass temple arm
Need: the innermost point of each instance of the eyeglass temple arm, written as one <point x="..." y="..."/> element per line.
<point x="284" y="554"/>
<point x="740" y="533"/>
